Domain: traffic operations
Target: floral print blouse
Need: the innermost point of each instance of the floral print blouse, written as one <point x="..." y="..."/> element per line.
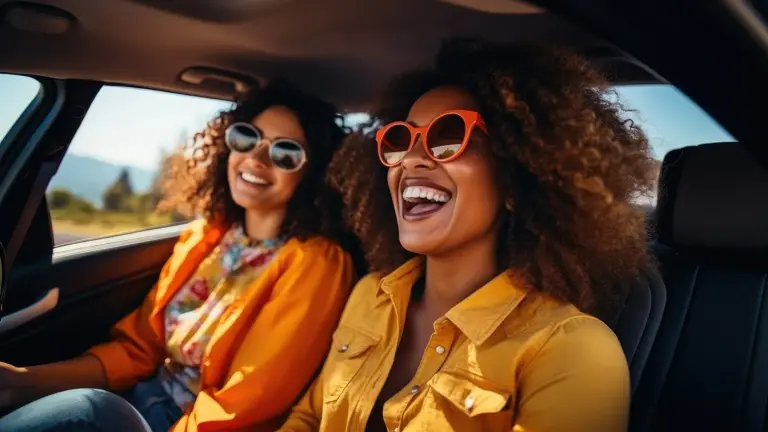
<point x="193" y="313"/>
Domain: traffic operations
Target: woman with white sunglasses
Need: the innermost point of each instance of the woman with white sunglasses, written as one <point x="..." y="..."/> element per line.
<point x="242" y="314"/>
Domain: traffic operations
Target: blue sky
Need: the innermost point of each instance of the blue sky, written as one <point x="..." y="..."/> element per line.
<point x="669" y="118"/>
<point x="15" y="93"/>
<point x="129" y="126"/>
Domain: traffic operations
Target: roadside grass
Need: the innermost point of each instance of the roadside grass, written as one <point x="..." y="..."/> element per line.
<point x="101" y="223"/>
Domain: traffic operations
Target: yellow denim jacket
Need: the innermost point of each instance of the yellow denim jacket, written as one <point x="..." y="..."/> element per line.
<point x="504" y="359"/>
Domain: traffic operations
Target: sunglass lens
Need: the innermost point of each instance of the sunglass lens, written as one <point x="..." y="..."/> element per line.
<point x="242" y="137"/>
<point x="445" y="136"/>
<point x="287" y="155"/>
<point x="395" y="143"/>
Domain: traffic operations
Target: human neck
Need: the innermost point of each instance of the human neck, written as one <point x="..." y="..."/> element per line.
<point x="452" y="277"/>
<point x="263" y="225"/>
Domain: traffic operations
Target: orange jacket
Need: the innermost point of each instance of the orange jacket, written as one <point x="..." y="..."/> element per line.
<point x="268" y="345"/>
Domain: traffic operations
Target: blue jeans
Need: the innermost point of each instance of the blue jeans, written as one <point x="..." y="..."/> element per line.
<point x="86" y="410"/>
<point x="150" y="409"/>
<point x="154" y="404"/>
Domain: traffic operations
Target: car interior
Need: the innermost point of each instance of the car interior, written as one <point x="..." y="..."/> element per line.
<point x="694" y="330"/>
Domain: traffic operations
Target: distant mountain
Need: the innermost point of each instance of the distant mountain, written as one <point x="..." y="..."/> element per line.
<point x="87" y="177"/>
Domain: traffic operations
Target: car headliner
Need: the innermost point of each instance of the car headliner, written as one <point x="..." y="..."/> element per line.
<point x="340" y="49"/>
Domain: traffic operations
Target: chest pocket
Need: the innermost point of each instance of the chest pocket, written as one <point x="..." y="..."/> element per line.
<point x="471" y="395"/>
<point x="351" y="348"/>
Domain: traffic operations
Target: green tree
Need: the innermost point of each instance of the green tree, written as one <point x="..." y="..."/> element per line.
<point x="63" y="199"/>
<point x="119" y="195"/>
<point x="145" y="202"/>
<point x="83" y="206"/>
<point x="60" y="198"/>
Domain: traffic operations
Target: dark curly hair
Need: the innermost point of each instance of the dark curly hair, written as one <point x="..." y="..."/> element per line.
<point x="569" y="161"/>
<point x="198" y="180"/>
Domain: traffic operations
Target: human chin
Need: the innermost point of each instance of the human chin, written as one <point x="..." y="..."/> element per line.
<point x="247" y="192"/>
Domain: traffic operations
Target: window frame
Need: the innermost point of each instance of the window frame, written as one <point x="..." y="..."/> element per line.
<point x="17" y="152"/>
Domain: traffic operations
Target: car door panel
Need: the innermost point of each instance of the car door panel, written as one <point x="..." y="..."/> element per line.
<point x="99" y="282"/>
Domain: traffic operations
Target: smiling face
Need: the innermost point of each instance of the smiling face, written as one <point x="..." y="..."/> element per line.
<point x="255" y="182"/>
<point x="443" y="206"/>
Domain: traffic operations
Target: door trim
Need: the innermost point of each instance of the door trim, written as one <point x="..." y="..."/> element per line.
<point x="101" y="244"/>
<point x="30" y="313"/>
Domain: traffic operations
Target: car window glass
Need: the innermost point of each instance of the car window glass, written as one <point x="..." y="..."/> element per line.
<point x="16" y="93"/>
<point x="670" y="119"/>
<point x="109" y="182"/>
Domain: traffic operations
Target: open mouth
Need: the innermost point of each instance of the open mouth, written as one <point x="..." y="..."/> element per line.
<point x="253" y="179"/>
<point x="422" y="201"/>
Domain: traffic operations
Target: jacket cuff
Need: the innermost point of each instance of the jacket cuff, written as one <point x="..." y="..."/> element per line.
<point x="116" y="364"/>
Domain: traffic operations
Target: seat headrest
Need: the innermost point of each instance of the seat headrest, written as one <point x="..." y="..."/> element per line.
<point x="713" y="196"/>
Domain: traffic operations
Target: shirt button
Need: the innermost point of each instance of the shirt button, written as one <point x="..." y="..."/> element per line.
<point x="440" y="349"/>
<point x="469" y="402"/>
<point x="343" y="348"/>
<point x="415" y="389"/>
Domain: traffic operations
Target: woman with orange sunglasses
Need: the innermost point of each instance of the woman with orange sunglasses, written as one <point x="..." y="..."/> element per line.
<point x="498" y="225"/>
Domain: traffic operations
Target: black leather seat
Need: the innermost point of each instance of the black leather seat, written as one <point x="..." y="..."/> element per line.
<point x="639" y="322"/>
<point x="708" y="368"/>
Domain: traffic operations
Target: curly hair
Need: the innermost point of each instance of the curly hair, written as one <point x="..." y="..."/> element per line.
<point x="198" y="181"/>
<point x="568" y="159"/>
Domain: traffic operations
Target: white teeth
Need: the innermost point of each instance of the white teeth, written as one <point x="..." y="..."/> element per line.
<point x="250" y="178"/>
<point x="414" y="193"/>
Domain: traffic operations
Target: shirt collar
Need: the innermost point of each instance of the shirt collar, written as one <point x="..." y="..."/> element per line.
<point x="477" y="316"/>
<point x="400" y="281"/>
<point x="480" y="314"/>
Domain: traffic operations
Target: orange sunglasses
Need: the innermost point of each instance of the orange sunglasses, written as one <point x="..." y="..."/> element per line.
<point x="444" y="138"/>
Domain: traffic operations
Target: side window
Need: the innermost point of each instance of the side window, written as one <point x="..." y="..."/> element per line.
<point x="17" y="93"/>
<point x="670" y="119"/>
<point x="109" y="182"/>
